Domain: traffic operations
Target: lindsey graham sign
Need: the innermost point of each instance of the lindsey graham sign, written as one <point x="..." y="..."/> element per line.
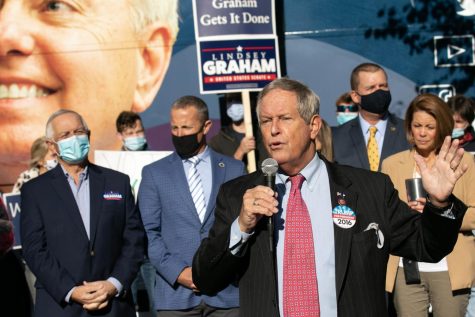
<point x="236" y="44"/>
<point x="225" y="17"/>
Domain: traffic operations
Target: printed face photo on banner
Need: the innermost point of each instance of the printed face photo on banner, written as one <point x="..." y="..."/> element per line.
<point x="95" y="57"/>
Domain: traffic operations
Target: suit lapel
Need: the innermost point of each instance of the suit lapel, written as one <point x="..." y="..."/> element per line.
<point x="389" y="139"/>
<point x="96" y="190"/>
<point x="218" y="172"/>
<point x="359" y="144"/>
<point x="339" y="185"/>
<point x="178" y="176"/>
<point x="262" y="243"/>
<point x="62" y="188"/>
<point x="406" y="170"/>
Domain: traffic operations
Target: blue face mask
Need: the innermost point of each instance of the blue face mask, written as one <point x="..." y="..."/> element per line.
<point x="457" y="133"/>
<point x="74" y="149"/>
<point x="235" y="112"/>
<point x="343" y="117"/>
<point x="135" y="143"/>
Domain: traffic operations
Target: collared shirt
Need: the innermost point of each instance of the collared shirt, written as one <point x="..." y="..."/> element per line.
<point x="204" y="169"/>
<point x="316" y="194"/>
<point x="381" y="129"/>
<point x="82" y="197"/>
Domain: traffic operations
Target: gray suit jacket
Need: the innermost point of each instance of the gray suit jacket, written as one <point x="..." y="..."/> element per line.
<point x="174" y="230"/>
<point x="349" y="147"/>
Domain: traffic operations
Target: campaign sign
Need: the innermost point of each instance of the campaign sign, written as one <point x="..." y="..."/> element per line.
<point x="236" y="65"/>
<point x="233" y="17"/>
<point x="13" y="204"/>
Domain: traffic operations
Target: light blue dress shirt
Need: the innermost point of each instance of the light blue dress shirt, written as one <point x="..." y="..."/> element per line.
<point x="82" y="197"/>
<point x="316" y="194"/>
<point x="204" y="169"/>
<point x="381" y="129"/>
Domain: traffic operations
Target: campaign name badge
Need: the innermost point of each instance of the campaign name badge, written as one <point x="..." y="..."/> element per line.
<point x="343" y="216"/>
<point x="112" y="196"/>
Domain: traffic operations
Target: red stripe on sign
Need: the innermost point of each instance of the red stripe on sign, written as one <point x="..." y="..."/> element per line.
<point x="258" y="48"/>
<point x="238" y="78"/>
<point x="217" y="49"/>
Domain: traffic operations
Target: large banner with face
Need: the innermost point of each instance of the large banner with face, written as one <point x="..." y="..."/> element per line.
<point x="102" y="57"/>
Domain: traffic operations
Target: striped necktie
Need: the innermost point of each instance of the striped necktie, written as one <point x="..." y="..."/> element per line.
<point x="196" y="188"/>
<point x="373" y="153"/>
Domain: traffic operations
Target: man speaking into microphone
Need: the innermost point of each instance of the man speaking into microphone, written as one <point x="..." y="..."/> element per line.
<point x="334" y="226"/>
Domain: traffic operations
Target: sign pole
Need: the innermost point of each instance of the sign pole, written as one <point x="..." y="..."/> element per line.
<point x="251" y="155"/>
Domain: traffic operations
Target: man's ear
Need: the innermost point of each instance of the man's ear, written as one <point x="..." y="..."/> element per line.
<point x="155" y="56"/>
<point x="315" y="125"/>
<point x="355" y="97"/>
<point x="207" y="126"/>
<point x="52" y="147"/>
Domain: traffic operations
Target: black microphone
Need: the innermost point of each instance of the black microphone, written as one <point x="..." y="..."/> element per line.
<point x="269" y="167"/>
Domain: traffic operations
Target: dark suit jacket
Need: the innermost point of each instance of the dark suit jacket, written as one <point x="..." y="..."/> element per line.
<point x="360" y="264"/>
<point x="56" y="246"/>
<point x="349" y="147"/>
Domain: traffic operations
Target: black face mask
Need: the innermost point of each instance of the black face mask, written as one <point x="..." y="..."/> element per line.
<point x="186" y="146"/>
<point x="376" y="102"/>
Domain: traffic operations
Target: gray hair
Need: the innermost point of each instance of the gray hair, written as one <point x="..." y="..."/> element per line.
<point x="60" y="112"/>
<point x="308" y="103"/>
<point x="145" y="12"/>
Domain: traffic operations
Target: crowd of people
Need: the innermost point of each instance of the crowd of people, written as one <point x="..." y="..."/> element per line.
<point x="198" y="241"/>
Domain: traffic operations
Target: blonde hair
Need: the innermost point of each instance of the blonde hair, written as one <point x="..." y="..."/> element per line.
<point x="38" y="151"/>
<point x="324" y="137"/>
<point x="146" y="12"/>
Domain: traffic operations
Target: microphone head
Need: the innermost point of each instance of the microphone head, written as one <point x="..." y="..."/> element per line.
<point x="269" y="166"/>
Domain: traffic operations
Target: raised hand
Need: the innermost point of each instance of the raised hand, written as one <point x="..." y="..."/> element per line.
<point x="248" y="143"/>
<point x="439" y="180"/>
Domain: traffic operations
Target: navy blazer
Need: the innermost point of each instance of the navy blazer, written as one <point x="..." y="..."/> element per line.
<point x="60" y="254"/>
<point x="360" y="264"/>
<point x="349" y="147"/>
<point x="174" y="230"/>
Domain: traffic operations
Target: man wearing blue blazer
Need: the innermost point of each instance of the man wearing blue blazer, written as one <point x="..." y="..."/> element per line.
<point x="82" y="236"/>
<point x="176" y="200"/>
<point x="370" y="91"/>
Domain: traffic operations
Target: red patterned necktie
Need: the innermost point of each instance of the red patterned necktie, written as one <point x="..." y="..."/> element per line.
<point x="300" y="291"/>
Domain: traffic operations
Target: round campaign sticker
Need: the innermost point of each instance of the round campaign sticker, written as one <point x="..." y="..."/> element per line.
<point x="343" y="216"/>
